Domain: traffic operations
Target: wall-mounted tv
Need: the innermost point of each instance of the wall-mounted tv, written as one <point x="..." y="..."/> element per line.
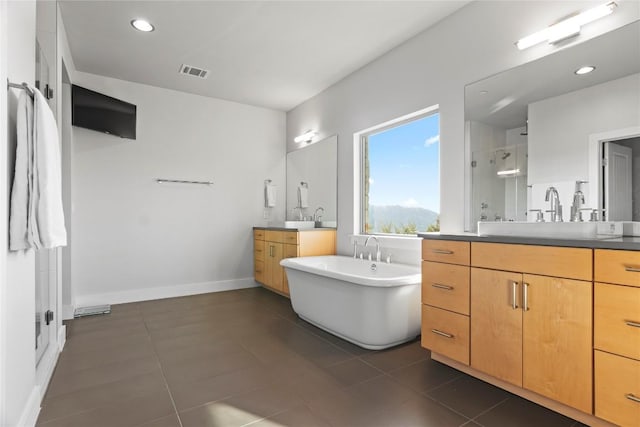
<point x="102" y="113"/>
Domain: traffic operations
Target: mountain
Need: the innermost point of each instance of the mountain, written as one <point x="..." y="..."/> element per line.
<point x="380" y="216"/>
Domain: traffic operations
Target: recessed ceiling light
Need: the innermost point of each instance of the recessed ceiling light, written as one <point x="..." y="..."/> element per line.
<point x="585" y="70"/>
<point x="142" y="25"/>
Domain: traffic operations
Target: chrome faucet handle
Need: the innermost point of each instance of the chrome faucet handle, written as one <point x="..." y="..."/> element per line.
<point x="388" y="260"/>
<point x="539" y="214"/>
<point x="369" y="256"/>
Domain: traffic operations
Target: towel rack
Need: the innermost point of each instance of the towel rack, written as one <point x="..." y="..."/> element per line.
<point x="23" y="86"/>
<point x="180" y="181"/>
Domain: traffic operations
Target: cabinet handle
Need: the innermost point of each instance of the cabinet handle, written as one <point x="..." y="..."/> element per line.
<point x="525" y="296"/>
<point x="258" y="271"/>
<point x="514" y="295"/>
<point x="442" y="251"/>
<point x="632" y="397"/>
<point x="631" y="269"/>
<point x="632" y="323"/>
<point x="440" y="286"/>
<point x="271" y="250"/>
<point x="443" y="334"/>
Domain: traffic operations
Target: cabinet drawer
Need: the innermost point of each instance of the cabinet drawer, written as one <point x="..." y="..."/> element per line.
<point x="572" y="263"/>
<point x="446" y="286"/>
<point x="258" y="271"/>
<point x="621" y="267"/>
<point x="290" y="237"/>
<point x="448" y="251"/>
<point x="617" y="385"/>
<point x="446" y="333"/>
<point x="617" y="319"/>
<point x="258" y="250"/>
<point x="258" y="234"/>
<point x="274" y="236"/>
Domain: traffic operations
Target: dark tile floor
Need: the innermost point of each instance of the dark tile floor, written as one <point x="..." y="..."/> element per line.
<point x="243" y="358"/>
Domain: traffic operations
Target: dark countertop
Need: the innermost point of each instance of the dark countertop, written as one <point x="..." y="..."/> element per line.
<point x="628" y="243"/>
<point x="292" y="228"/>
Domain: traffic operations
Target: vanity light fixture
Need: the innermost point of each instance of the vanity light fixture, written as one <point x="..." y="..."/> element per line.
<point x="142" y="25"/>
<point x="566" y="28"/>
<point x="584" y="70"/>
<point x="306" y="137"/>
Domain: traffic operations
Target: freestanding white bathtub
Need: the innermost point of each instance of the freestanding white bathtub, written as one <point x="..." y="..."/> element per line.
<point x="372" y="304"/>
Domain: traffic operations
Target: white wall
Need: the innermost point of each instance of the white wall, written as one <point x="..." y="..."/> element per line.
<point x="559" y="127"/>
<point x="136" y="239"/>
<point x="430" y="69"/>
<point x="18" y="393"/>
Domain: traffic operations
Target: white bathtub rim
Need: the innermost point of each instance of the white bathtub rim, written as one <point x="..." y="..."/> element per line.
<point x="380" y="282"/>
<point x="355" y="341"/>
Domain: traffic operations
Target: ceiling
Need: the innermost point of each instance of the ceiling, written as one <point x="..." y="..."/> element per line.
<point x="273" y="54"/>
<point x="501" y="100"/>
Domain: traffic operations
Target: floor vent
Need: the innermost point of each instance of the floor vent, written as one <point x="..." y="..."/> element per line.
<point x="92" y="311"/>
<point x="193" y="71"/>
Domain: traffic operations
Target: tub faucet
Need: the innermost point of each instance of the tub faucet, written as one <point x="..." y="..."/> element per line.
<point x="316" y="215"/>
<point x="555" y="206"/>
<point x="366" y="242"/>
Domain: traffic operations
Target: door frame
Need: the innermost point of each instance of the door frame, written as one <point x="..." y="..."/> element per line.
<point x="596" y="150"/>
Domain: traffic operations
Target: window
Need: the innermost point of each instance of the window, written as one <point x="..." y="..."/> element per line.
<point x="401" y="177"/>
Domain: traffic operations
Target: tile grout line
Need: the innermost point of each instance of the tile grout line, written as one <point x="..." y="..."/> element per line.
<point x="164" y="378"/>
<point x="489" y="410"/>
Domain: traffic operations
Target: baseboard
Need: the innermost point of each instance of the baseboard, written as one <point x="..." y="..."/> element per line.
<point x="31" y="410"/>
<point x="62" y="337"/>
<point x="67" y="312"/>
<point x="146" y="294"/>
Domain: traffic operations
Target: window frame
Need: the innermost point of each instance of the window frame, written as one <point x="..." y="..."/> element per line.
<point x="361" y="140"/>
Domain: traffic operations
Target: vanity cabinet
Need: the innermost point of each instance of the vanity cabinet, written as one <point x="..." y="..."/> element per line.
<point x="533" y="330"/>
<point x="617" y="336"/>
<point x="445" y="298"/>
<point x="273" y="245"/>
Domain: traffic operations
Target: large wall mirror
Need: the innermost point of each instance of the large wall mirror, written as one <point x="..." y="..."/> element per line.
<point x="541" y="125"/>
<point x="314" y="171"/>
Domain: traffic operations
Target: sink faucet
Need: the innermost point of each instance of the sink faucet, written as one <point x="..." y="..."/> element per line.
<point x="366" y="242"/>
<point x="316" y="216"/>
<point x="556" y="207"/>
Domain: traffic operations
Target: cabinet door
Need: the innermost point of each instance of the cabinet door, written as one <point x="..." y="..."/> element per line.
<point x="274" y="272"/>
<point x="496" y="324"/>
<point x="557" y="330"/>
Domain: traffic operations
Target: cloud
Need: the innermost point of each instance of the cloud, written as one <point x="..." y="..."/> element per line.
<point x="410" y="203"/>
<point x="371" y="181"/>
<point x="430" y="141"/>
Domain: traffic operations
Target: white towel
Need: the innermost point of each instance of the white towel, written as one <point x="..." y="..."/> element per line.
<point x="19" y="237"/>
<point x="269" y="195"/>
<point x="49" y="213"/>
<point x="37" y="219"/>
<point x="303" y="197"/>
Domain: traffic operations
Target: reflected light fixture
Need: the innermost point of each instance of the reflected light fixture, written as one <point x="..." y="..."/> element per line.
<point x="584" y="70"/>
<point x="566" y="28"/>
<point x="142" y="25"/>
<point x="306" y="137"/>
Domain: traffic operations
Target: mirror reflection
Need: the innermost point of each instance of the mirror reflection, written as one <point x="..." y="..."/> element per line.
<point x="312" y="183"/>
<point x="543" y="125"/>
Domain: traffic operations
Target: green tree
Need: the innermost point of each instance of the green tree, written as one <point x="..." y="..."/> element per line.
<point x="435" y="226"/>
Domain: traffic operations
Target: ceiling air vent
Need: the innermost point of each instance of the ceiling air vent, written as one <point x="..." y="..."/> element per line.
<point x="193" y="71"/>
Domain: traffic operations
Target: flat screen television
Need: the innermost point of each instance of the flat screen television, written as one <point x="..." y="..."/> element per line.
<point x="102" y="113"/>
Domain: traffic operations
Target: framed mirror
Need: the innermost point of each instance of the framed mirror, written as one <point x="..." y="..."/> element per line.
<point x="312" y="183"/>
<point x="529" y="128"/>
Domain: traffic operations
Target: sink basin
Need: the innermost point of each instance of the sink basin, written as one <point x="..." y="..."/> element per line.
<point x="300" y="225"/>
<point x="557" y="230"/>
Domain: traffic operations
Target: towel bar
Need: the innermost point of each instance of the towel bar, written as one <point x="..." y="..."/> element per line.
<point x="20" y="86"/>
<point x="179" y="181"/>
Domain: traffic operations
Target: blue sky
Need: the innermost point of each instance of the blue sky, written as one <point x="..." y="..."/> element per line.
<point x="404" y="165"/>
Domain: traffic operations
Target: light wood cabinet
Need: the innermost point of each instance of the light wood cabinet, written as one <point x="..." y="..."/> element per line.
<point x="445" y="298"/>
<point x="531" y="330"/>
<point x="617" y="336"/>
<point x="273" y="245"/>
